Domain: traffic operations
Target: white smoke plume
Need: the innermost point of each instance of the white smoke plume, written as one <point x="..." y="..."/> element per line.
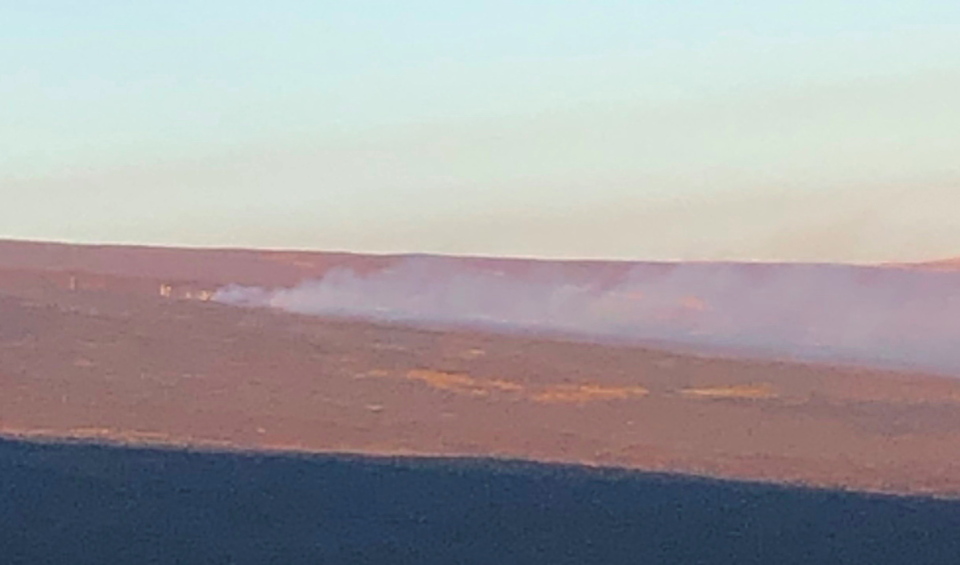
<point x="883" y="316"/>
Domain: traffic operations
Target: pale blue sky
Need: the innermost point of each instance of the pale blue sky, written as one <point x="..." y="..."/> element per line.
<point x="815" y="130"/>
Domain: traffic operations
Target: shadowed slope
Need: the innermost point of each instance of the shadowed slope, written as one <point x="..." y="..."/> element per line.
<point x="84" y="504"/>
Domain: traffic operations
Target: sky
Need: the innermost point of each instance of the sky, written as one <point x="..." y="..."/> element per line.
<point x="686" y="130"/>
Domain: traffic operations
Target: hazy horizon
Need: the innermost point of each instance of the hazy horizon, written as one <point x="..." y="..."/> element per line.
<point x="609" y="130"/>
<point x="931" y="261"/>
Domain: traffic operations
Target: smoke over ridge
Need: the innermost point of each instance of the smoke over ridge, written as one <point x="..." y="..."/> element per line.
<point x="877" y="315"/>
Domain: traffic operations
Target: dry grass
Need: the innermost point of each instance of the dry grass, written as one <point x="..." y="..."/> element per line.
<point x="463" y="383"/>
<point x="580" y="394"/>
<point x="752" y="392"/>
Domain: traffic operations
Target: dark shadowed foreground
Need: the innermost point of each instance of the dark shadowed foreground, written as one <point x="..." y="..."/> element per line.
<point x="81" y="504"/>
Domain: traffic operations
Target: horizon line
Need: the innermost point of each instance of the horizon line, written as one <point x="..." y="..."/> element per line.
<point x="467" y="256"/>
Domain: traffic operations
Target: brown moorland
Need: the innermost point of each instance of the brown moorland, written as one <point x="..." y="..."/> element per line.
<point x="91" y="350"/>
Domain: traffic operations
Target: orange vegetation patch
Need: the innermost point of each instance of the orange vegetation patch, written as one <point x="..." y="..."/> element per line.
<point x="506" y="386"/>
<point x="580" y="394"/>
<point x="754" y="392"/>
<point x="462" y="383"/>
<point x="443" y="380"/>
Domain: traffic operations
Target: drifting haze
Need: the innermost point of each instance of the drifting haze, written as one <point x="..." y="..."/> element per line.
<point x="819" y="312"/>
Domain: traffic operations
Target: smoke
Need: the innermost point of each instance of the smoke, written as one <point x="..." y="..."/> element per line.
<point x="882" y="316"/>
